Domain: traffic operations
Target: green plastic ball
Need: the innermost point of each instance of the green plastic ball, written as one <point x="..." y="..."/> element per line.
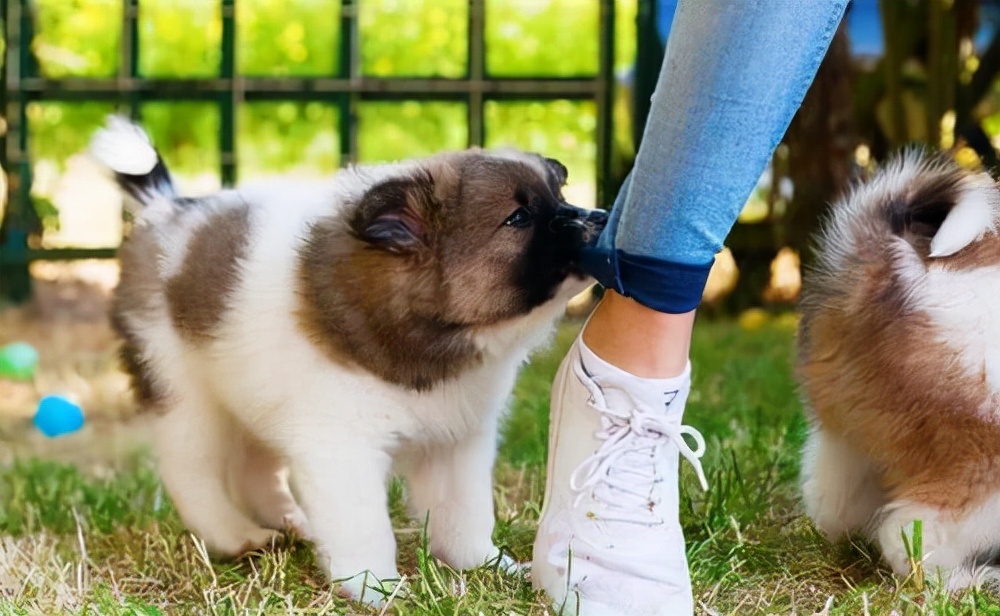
<point x="18" y="361"/>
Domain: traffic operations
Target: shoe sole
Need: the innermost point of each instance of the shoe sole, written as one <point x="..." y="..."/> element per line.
<point x="540" y="569"/>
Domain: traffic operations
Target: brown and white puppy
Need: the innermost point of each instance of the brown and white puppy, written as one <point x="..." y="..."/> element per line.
<point x="299" y="338"/>
<point x="899" y="361"/>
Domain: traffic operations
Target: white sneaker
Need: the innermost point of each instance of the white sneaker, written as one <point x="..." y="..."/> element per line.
<point x="610" y="541"/>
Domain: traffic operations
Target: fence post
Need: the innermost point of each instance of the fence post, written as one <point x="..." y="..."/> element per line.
<point x="20" y="218"/>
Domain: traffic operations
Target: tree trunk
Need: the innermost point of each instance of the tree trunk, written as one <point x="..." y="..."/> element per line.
<point x="821" y="144"/>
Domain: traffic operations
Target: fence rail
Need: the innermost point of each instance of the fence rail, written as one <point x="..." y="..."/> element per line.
<point x="22" y="84"/>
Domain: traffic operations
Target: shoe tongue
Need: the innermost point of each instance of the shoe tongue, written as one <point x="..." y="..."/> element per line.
<point x="624" y="391"/>
<point x="654" y="395"/>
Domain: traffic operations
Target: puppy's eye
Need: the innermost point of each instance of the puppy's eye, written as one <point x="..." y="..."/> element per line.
<point x="520" y="218"/>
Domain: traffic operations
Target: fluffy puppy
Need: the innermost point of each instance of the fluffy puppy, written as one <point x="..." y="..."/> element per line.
<point x="296" y="339"/>
<point x="899" y="361"/>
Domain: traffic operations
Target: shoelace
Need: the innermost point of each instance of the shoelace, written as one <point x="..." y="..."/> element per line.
<point x="631" y="439"/>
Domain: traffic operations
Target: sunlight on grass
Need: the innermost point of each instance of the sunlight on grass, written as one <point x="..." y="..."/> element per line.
<point x="74" y="543"/>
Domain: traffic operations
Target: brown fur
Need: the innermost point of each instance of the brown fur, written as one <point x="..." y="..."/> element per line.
<point x="876" y="376"/>
<point x="138" y="294"/>
<point x="197" y="295"/>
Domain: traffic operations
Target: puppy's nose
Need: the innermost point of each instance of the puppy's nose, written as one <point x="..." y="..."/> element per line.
<point x="579" y="224"/>
<point x="597" y="218"/>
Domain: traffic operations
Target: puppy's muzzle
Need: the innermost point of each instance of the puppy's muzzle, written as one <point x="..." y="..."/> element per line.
<point x="579" y="226"/>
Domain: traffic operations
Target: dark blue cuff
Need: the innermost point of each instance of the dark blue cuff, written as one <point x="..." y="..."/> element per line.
<point x="674" y="288"/>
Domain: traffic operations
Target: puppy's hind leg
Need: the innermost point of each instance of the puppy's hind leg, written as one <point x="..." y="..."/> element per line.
<point x="839" y="485"/>
<point x="194" y="443"/>
<point x="959" y="548"/>
<point x="453" y="487"/>
<point x="260" y="477"/>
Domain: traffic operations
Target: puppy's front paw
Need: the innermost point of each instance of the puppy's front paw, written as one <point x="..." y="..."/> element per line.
<point x="367" y="588"/>
<point x="508" y="565"/>
<point x="241" y="541"/>
<point x="297" y="522"/>
<point x="467" y="557"/>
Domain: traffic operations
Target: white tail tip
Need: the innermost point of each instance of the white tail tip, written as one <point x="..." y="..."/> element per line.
<point x="969" y="220"/>
<point x="124" y="147"/>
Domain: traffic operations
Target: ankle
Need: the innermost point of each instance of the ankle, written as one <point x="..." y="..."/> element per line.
<point x="639" y="340"/>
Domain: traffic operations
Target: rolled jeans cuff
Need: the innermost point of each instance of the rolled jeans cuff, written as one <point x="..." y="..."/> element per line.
<point x="673" y="288"/>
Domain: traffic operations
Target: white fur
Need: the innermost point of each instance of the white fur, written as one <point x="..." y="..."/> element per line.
<point x="124" y="147"/>
<point x="965" y="306"/>
<point x="948" y="541"/>
<point x="972" y="217"/>
<point x="261" y="391"/>
<point x="840" y="487"/>
<point x="862" y="203"/>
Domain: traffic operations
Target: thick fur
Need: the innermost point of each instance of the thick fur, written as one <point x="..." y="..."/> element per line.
<point x="298" y="339"/>
<point x="899" y="361"/>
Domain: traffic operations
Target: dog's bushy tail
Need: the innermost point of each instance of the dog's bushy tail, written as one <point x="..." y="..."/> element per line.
<point x="930" y="202"/>
<point x="881" y="239"/>
<point x="128" y="152"/>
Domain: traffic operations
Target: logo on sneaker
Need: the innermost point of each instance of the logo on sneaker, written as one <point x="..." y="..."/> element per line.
<point x="672" y="395"/>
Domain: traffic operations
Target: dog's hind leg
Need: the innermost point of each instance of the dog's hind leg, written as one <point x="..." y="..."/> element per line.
<point x="839" y="485"/>
<point x="958" y="548"/>
<point x="194" y="443"/>
<point x="261" y="479"/>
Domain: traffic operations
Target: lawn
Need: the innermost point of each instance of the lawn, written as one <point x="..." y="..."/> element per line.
<point x="72" y="542"/>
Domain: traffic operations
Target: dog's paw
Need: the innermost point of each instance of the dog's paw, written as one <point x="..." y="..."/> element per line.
<point x="509" y="565"/>
<point x="245" y="540"/>
<point x="296" y="522"/>
<point x="368" y="588"/>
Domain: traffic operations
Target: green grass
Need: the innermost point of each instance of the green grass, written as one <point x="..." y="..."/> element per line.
<point x="75" y="543"/>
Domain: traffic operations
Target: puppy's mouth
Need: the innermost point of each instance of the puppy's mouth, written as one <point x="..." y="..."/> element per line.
<point x="576" y="229"/>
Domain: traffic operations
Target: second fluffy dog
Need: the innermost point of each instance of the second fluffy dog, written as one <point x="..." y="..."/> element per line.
<point x="899" y="358"/>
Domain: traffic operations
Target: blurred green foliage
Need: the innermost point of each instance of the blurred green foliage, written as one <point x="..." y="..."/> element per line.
<point x="280" y="37"/>
<point x="189" y="131"/>
<point x="390" y="131"/>
<point x="282" y="136"/>
<point x="60" y="129"/>
<point x="542" y="37"/>
<point x="78" y="37"/>
<point x="562" y="129"/>
<point x="179" y="38"/>
<point x="414" y="38"/>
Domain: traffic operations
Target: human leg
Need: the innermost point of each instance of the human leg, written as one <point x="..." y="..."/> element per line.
<point x="732" y="77"/>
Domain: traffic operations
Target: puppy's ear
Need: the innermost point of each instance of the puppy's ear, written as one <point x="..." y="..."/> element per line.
<point x="393" y="215"/>
<point x="445" y="173"/>
<point x="557" y="170"/>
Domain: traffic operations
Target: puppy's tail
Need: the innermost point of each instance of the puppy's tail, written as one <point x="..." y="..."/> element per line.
<point x="918" y="206"/>
<point x="127" y="151"/>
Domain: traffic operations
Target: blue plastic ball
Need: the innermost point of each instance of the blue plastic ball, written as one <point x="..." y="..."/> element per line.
<point x="18" y="361"/>
<point x="57" y="415"/>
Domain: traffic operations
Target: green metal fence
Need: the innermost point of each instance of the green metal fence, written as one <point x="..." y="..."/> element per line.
<point x="347" y="88"/>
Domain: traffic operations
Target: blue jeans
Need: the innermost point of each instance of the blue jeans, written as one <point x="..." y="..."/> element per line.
<point x="733" y="75"/>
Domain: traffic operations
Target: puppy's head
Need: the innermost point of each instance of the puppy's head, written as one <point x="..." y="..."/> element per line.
<point x="487" y="234"/>
<point x="433" y="253"/>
